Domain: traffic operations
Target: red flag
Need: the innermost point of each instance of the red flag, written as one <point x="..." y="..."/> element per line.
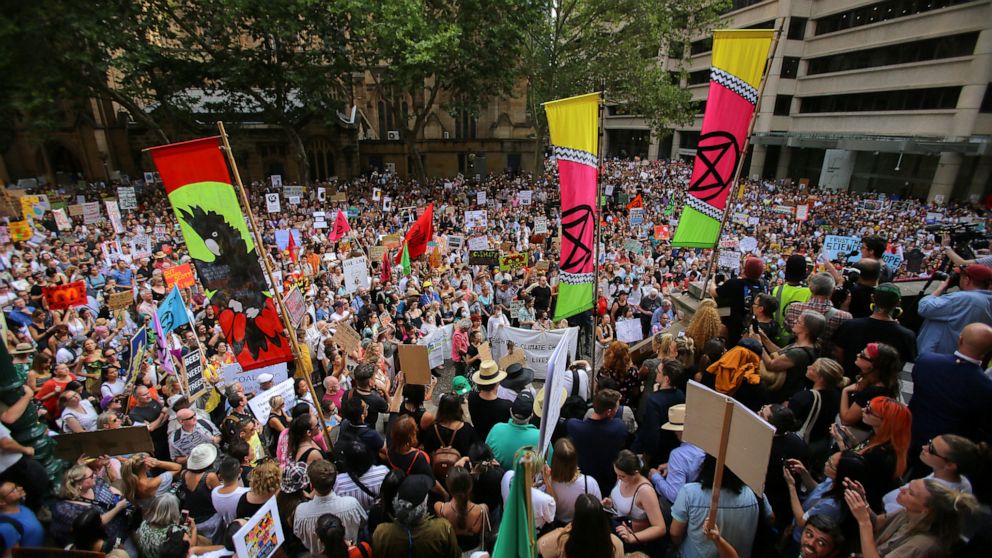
<point x="292" y="247"/>
<point x="419" y="234"/>
<point x="341" y="227"/>
<point x="636" y="202"/>
<point x="385" y="275"/>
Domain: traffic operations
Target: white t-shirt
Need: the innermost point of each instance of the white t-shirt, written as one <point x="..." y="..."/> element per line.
<point x="7" y="458"/>
<point x="566" y="493"/>
<point x="544" y="505"/>
<point x="227" y="504"/>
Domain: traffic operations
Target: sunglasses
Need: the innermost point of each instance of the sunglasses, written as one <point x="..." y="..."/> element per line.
<point x="864" y="355"/>
<point x="933" y="450"/>
<point x="867" y="410"/>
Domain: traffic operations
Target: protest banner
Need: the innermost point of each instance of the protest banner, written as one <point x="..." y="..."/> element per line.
<point x="346" y="337"/>
<point x="933" y="217"/>
<point x="294" y="200"/>
<point x="141" y="246"/>
<point x="295" y="306"/>
<point x="62" y="221"/>
<point x="120" y="300"/>
<point x="114" y="442"/>
<point x="292" y="191"/>
<point x="438" y="343"/>
<point x="712" y="419"/>
<point x="261" y="405"/>
<point x="262" y="535"/>
<point x="272" y="203"/>
<point x="541" y="225"/>
<point x="234" y="373"/>
<point x="537" y="345"/>
<point x="91" y="213"/>
<point x="783" y="209"/>
<point x="802" y="212"/>
<point x="19" y="230"/>
<point x="554" y="392"/>
<point x="629" y="331"/>
<point x="61" y="297"/>
<point x="730" y="259"/>
<point x="836" y="246"/>
<point x="126" y="198"/>
<point x="480" y="198"/>
<point x="525" y="197"/>
<point x="415" y="364"/>
<point x="516" y="260"/>
<point x="478" y="219"/>
<point x="194" y="374"/>
<point x="739" y="218"/>
<point x="356" y="274"/>
<point x="180" y="275"/>
<point x="483" y="257"/>
<point x="636" y="216"/>
<point x="478" y="243"/>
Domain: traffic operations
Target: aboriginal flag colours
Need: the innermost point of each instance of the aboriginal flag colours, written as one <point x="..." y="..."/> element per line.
<point x="573" y="124"/>
<point x="738" y="61"/>
<point x="216" y="232"/>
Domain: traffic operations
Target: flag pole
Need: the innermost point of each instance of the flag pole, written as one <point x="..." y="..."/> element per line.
<point x="735" y="184"/>
<point x="596" y="220"/>
<point x="276" y="293"/>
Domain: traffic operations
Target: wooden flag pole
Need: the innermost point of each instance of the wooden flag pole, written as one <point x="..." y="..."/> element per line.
<point x="735" y="184"/>
<point x="721" y="459"/>
<point x="290" y="330"/>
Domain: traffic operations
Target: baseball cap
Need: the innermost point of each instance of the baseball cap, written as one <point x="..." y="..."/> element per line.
<point x="414" y="488"/>
<point x="460" y="385"/>
<point x="523" y="405"/>
<point x="264" y="378"/>
<point x="978" y="272"/>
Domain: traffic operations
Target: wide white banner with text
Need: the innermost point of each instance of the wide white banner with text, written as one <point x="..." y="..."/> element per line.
<point x="537" y="345"/>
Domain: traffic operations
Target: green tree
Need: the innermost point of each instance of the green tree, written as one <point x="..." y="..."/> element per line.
<point x="420" y="52"/>
<point x="620" y="47"/>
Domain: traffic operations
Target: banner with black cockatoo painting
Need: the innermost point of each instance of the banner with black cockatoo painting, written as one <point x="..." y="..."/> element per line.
<point x="216" y="231"/>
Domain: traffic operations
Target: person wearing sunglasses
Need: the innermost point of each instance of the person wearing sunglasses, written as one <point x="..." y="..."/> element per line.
<point x="952" y="459"/>
<point x="887" y="447"/>
<point x="879" y="366"/>
<point x="82" y="490"/>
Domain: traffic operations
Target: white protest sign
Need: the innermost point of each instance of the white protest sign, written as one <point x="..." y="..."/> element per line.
<point x="276" y="180"/>
<point x="730" y="259"/>
<point x="478" y="243"/>
<point x="525" y="197"/>
<point x="272" y="203"/>
<point x="294" y="200"/>
<point x="356" y="274"/>
<point x="234" y="373"/>
<point x="748" y="244"/>
<point x="261" y="404"/>
<point x="262" y="535"/>
<point x="629" y="331"/>
<point x="141" y="246"/>
<point x="835" y="246"/>
<point x="438" y="344"/>
<point x="480" y="198"/>
<point x="321" y="194"/>
<point x="62" y="220"/>
<point x="114" y="213"/>
<point x="541" y="225"/>
<point x="554" y="386"/>
<point x="91" y="213"/>
<point x="319" y="220"/>
<point x="802" y="212"/>
<point x="126" y="197"/>
<point x="478" y="219"/>
<point x="537" y="345"/>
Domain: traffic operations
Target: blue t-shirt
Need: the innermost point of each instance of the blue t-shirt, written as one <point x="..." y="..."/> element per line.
<point x="737" y="517"/>
<point x="34" y="533"/>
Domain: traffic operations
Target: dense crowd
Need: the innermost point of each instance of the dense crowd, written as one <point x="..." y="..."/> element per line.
<point x="362" y="463"/>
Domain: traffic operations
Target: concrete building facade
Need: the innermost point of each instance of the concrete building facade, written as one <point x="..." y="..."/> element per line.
<point x="873" y="95"/>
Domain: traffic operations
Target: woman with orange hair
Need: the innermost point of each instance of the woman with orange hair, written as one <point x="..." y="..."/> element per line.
<point x="618" y="367"/>
<point x="886" y="449"/>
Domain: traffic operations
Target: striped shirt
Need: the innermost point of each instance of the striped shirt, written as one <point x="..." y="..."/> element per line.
<point x="372" y="479"/>
<point x="346" y="508"/>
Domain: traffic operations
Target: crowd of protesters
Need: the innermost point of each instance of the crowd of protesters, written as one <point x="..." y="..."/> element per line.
<point x="366" y="464"/>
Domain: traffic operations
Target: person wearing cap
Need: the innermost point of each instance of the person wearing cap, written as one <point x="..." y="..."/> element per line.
<point x="790" y="292"/>
<point x="684" y="462"/>
<point x="599" y="438"/>
<point x="738" y="294"/>
<point x="880" y="327"/>
<point x="413" y="531"/>
<point x="264" y="381"/>
<point x="340" y="313"/>
<point x="485" y="406"/>
<point x="821" y="287"/>
<point x="946" y="315"/>
<point x="192" y="432"/>
<point x="506" y="438"/>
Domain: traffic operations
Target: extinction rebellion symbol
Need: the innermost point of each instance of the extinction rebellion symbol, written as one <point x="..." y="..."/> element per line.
<point x="713" y="147"/>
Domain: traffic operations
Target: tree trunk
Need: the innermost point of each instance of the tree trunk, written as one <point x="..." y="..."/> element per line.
<point x="300" y="152"/>
<point x="413" y="154"/>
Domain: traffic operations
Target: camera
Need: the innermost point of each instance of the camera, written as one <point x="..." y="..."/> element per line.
<point x="965" y="238"/>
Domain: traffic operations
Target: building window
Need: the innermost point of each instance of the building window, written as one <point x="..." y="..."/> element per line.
<point x="987" y="99"/>
<point x="790" y="67"/>
<point x="741" y="4"/>
<point x="700" y="106"/>
<point x="698" y="77"/>
<point x="797" y="28"/>
<point x="904" y="99"/>
<point x="701" y="46"/>
<point x="770" y="24"/>
<point x="879" y="11"/>
<point x="904" y="53"/>
<point x="783" y="104"/>
<point x="688" y="139"/>
<point x="465" y="125"/>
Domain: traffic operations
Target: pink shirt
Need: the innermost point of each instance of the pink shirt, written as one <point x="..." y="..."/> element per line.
<point x="459" y="345"/>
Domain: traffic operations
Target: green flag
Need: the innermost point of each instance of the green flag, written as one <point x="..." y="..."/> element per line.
<point x="671" y="207"/>
<point x="516" y="529"/>
<point x="405" y="260"/>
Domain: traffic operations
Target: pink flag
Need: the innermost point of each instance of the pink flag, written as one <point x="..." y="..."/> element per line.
<point x="341" y="227"/>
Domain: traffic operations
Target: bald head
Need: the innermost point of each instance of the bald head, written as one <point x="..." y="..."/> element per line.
<point x="975" y="340"/>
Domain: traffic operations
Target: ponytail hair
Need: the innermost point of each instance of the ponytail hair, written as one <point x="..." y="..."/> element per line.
<point x="947" y="511"/>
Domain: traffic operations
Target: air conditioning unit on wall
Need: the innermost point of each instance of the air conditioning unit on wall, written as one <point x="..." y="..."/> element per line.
<point x="393" y="135"/>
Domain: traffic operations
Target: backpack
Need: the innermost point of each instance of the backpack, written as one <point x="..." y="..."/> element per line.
<point x="444" y="457"/>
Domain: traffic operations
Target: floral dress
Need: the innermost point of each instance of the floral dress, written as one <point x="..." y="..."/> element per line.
<point x="628" y="384"/>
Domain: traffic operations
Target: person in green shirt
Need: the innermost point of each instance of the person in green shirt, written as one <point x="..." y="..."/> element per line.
<point x="793" y="290"/>
<point x="507" y="437"/>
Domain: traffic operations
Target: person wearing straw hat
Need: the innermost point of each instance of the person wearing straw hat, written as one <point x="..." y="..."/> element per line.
<point x="485" y="407"/>
<point x="684" y="463"/>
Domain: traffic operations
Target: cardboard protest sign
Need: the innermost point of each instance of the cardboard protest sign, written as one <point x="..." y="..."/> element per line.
<point x="194" y="375"/>
<point x="483" y="257"/>
<point x="261" y="404"/>
<point x="356" y="274"/>
<point x="76" y="210"/>
<point x="262" y="535"/>
<point x="117" y="441"/>
<point x="391" y="241"/>
<point x="346" y="337"/>
<point x="295" y="306"/>
<point x="629" y="331"/>
<point x="707" y="414"/>
<point x="414" y="364"/>
<point x="121" y="300"/>
<point x="376" y="253"/>
<point x="339" y="197"/>
<point x="19" y="231"/>
<point x="60" y="297"/>
<point x="543" y="265"/>
<point x="485" y="353"/>
<point x="180" y="275"/>
<point x="515" y="260"/>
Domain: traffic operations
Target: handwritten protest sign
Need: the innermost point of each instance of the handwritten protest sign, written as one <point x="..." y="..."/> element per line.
<point x="60" y="297"/>
<point x="180" y="275"/>
<point x="126" y="198"/>
<point x="347" y="338"/>
<point x="194" y="374"/>
<point x="835" y="246"/>
<point x="515" y="260"/>
<point x="356" y="274"/>
<point x="91" y="213"/>
<point x="121" y="300"/>
<point x="483" y="257"/>
<point x="261" y="404"/>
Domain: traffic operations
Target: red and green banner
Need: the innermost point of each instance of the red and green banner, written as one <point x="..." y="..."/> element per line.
<point x="738" y="62"/>
<point x="216" y="232"/>
<point x="573" y="125"/>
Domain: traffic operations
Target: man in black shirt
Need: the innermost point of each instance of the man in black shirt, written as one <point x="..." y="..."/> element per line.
<point x="485" y="407"/>
<point x="155" y="416"/>
<point x="738" y="293"/>
<point x="542" y="295"/>
<point x="880" y="327"/>
<point x="363" y="390"/>
<point x="862" y="289"/>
